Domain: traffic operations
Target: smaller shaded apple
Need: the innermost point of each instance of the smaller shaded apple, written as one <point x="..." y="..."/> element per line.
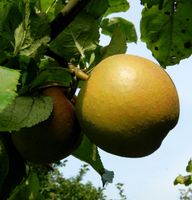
<point x="53" y="139"/>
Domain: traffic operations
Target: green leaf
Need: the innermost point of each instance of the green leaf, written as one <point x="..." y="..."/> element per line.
<point x="117" y="6"/>
<point x="50" y="7"/>
<point x="8" y="23"/>
<point x="46" y="5"/>
<point x="31" y="35"/>
<point x="179" y="180"/>
<point x="151" y="3"/>
<point x="51" y="73"/>
<point x="97" y="8"/>
<point x="189" y="166"/>
<point x="95" y="58"/>
<point x="184" y="180"/>
<point x="117" y="45"/>
<point x="25" y="111"/>
<point x="167" y="31"/>
<point x="26" y="34"/>
<point x="107" y="177"/>
<point x="28" y="189"/>
<point x="127" y="28"/>
<point x="9" y="80"/>
<point x="4" y="164"/>
<point x="21" y="30"/>
<point x="79" y="38"/>
<point x="27" y="67"/>
<point x="88" y="152"/>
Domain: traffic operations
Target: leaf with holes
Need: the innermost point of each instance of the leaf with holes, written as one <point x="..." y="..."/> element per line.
<point x="167" y="31"/>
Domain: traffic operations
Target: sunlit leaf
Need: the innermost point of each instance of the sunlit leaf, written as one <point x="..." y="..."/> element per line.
<point x="9" y="79"/>
<point x="184" y="180"/>
<point x="152" y="2"/>
<point x="50" y="7"/>
<point x="46" y="5"/>
<point x="168" y="31"/>
<point x="27" y="67"/>
<point x="126" y="27"/>
<point x="22" y="29"/>
<point x="117" y="6"/>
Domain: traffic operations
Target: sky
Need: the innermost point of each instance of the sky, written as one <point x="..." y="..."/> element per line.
<point x="150" y="177"/>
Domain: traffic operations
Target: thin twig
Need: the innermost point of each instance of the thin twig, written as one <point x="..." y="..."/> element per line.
<point x="61" y="60"/>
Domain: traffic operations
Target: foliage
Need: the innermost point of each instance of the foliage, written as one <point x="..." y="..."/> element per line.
<point x="51" y="185"/>
<point x="37" y="46"/>
<point x="186" y="194"/>
<point x="55" y="186"/>
<point x="185" y="180"/>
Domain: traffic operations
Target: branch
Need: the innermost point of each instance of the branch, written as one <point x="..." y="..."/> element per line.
<point x="72" y="69"/>
<point x="66" y="16"/>
<point x="57" y="57"/>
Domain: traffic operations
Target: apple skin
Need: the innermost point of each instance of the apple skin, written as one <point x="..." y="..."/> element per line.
<point x="128" y="106"/>
<point x="53" y="139"/>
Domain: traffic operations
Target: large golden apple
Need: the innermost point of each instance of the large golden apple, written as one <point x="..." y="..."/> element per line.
<point x="128" y="105"/>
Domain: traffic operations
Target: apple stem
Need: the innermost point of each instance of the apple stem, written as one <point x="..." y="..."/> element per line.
<point x="77" y="72"/>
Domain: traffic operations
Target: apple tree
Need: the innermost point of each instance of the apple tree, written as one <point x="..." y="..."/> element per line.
<point x="55" y="44"/>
